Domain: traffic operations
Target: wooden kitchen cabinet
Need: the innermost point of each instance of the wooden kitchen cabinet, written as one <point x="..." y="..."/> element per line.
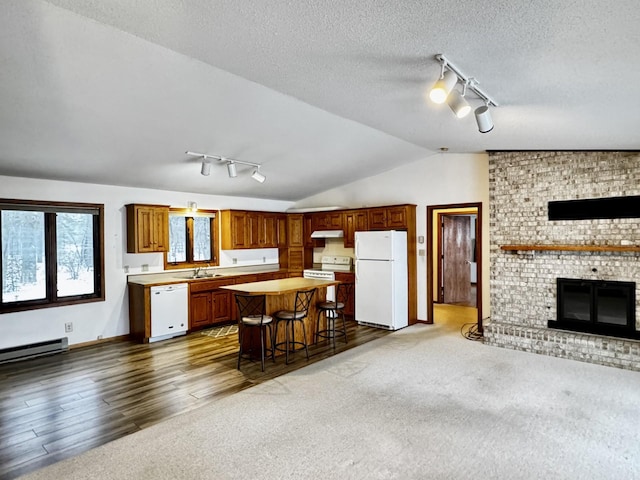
<point x="147" y="228"/>
<point x="282" y="229"/>
<point x="233" y="230"/>
<point x="296" y="232"/>
<point x="268" y="236"/>
<point x="388" y="218"/>
<point x="208" y="304"/>
<point x="248" y="229"/>
<point x="327" y="221"/>
<point x="354" y="221"/>
<point x="347" y="277"/>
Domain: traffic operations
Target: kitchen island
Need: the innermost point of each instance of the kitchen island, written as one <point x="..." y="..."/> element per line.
<point x="281" y="295"/>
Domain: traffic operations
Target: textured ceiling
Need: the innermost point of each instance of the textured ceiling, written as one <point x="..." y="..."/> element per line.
<point x="321" y="93"/>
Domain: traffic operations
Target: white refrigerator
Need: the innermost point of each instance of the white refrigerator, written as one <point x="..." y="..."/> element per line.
<point x="382" y="279"/>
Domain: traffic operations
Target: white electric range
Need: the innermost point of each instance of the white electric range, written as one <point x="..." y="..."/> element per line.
<point x="330" y="265"/>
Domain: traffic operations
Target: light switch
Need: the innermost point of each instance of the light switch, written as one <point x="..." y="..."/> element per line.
<point x="421" y="252"/>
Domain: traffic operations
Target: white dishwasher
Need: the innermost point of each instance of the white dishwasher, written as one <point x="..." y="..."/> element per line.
<point x="169" y="311"/>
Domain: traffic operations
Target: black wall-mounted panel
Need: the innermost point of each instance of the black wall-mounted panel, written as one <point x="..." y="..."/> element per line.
<point x="593" y="208"/>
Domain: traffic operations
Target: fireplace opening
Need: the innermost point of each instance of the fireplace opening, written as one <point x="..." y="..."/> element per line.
<point x="596" y="306"/>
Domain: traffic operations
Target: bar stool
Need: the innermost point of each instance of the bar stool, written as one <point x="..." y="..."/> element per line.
<point x="332" y="310"/>
<point x="290" y="317"/>
<point x="251" y="314"/>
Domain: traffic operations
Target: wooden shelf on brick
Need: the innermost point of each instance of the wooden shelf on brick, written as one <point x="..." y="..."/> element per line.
<point x="573" y="248"/>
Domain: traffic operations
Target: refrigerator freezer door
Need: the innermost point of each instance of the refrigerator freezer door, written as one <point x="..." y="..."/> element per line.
<point x="374" y="293"/>
<point x="374" y="245"/>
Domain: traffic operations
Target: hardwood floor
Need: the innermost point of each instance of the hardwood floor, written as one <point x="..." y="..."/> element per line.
<point x="56" y="407"/>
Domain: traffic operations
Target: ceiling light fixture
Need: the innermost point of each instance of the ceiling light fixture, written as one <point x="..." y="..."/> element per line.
<point x="440" y="91"/>
<point x="231" y="169"/>
<point x="257" y="176"/>
<point x="483" y="119"/>
<point x="206" y="167"/>
<point x="450" y="74"/>
<point x="231" y="165"/>
<point x="458" y="103"/>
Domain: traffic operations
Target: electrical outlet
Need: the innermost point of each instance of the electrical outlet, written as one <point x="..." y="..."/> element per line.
<point x="68" y="327"/>
<point x="234" y="260"/>
<point x="145" y="267"/>
<point x="126" y="269"/>
<point x="264" y="259"/>
<point x="99" y="337"/>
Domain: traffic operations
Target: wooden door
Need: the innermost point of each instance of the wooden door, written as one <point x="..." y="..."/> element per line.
<point x="377" y="218"/>
<point x="161" y="230"/>
<point x="269" y="233"/>
<point x="281" y="231"/>
<point x="295" y="228"/>
<point x="456" y="259"/>
<point x="238" y="230"/>
<point x="396" y="217"/>
<point x="201" y="309"/>
<point x="222" y="305"/>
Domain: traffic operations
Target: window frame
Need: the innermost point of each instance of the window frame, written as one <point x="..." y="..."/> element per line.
<point x="50" y="209"/>
<point x="189" y="262"/>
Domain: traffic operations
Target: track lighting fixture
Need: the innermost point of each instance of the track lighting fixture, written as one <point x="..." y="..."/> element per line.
<point x="443" y="86"/>
<point x="483" y="119"/>
<point x="257" y="176"/>
<point x="231" y="166"/>
<point x="444" y="90"/>
<point x="231" y="169"/>
<point x="458" y="104"/>
<point x="206" y="168"/>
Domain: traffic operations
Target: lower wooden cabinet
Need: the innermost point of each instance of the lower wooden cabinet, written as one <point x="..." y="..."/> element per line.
<point x="210" y="305"/>
<point x="344" y="277"/>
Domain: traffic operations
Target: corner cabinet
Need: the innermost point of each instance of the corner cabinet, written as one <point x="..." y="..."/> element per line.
<point x="147" y="228"/>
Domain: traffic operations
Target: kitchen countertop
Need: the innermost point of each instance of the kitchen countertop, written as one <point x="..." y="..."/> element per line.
<point x="186" y="276"/>
<point x="280" y="287"/>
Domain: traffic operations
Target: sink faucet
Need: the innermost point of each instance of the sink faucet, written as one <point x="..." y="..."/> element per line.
<point x="196" y="271"/>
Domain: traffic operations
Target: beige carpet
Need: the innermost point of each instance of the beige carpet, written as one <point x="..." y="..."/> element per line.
<point x="420" y="403"/>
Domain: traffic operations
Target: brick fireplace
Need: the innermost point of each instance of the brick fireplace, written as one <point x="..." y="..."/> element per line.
<point x="529" y="252"/>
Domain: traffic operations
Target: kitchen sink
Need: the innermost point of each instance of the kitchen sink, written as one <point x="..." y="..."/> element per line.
<point x="191" y="276"/>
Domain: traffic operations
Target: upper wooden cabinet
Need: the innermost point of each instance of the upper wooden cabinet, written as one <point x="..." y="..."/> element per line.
<point x="354" y="221"/>
<point x="233" y="230"/>
<point x="147" y="228"/>
<point x="295" y="226"/>
<point x="326" y="221"/>
<point x="247" y="229"/>
<point x="388" y="218"/>
<point x="282" y="228"/>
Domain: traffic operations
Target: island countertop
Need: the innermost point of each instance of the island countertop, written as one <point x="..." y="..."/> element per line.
<point x="280" y="287"/>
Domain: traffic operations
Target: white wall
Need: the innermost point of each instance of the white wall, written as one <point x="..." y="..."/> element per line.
<point x="111" y="317"/>
<point x="438" y="180"/>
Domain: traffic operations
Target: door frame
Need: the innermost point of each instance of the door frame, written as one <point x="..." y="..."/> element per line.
<point x="430" y="252"/>
<point x="441" y="249"/>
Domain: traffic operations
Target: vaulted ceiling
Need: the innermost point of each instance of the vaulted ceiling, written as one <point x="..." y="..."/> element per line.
<point x="320" y="93"/>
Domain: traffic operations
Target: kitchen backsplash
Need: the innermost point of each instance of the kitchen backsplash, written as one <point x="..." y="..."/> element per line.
<point x="333" y="247"/>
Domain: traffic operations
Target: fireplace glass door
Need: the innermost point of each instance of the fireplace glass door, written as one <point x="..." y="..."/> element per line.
<point x="596" y="306"/>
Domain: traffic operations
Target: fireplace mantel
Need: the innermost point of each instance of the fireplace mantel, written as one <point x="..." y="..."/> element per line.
<point x="572" y="248"/>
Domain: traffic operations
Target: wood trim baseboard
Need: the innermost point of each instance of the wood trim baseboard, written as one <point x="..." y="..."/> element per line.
<point x="119" y="338"/>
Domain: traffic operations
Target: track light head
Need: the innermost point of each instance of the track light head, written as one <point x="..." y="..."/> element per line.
<point x="231" y="169"/>
<point x="458" y="104"/>
<point x="257" y="176"/>
<point x="483" y="119"/>
<point x="441" y="89"/>
<point x="206" y="168"/>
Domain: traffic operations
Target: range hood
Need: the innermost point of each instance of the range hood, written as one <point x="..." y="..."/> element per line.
<point x="327" y="234"/>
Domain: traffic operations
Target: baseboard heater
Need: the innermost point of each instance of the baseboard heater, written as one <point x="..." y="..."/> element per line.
<point x="23" y="352"/>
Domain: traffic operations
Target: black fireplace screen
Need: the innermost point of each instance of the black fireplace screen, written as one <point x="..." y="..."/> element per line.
<point x="595" y="306"/>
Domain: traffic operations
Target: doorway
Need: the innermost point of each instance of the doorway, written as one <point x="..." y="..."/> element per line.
<point x="454" y="249"/>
